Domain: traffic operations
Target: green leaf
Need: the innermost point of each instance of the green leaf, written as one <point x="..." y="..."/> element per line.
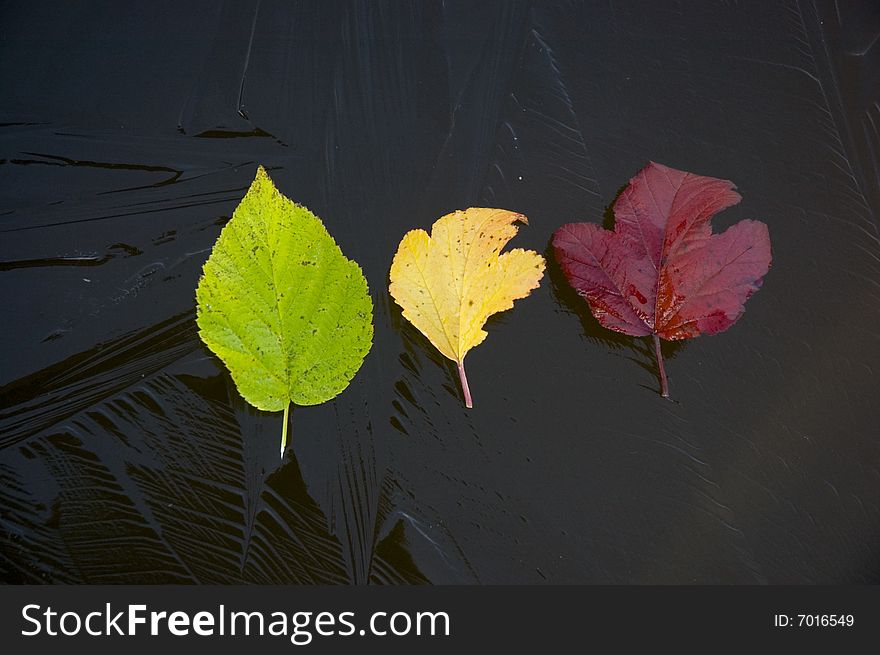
<point x="278" y="302"/>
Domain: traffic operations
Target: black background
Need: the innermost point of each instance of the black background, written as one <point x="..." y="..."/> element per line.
<point x="131" y="130"/>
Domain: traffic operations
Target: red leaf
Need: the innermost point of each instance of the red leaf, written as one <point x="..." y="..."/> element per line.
<point x="662" y="272"/>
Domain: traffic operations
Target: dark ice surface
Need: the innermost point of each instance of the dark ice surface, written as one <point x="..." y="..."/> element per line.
<point x="129" y="132"/>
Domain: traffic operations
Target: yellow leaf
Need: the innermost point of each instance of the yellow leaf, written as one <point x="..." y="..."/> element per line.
<point x="449" y="283"/>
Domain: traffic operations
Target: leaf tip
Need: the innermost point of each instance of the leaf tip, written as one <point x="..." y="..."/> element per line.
<point x="262" y="177"/>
